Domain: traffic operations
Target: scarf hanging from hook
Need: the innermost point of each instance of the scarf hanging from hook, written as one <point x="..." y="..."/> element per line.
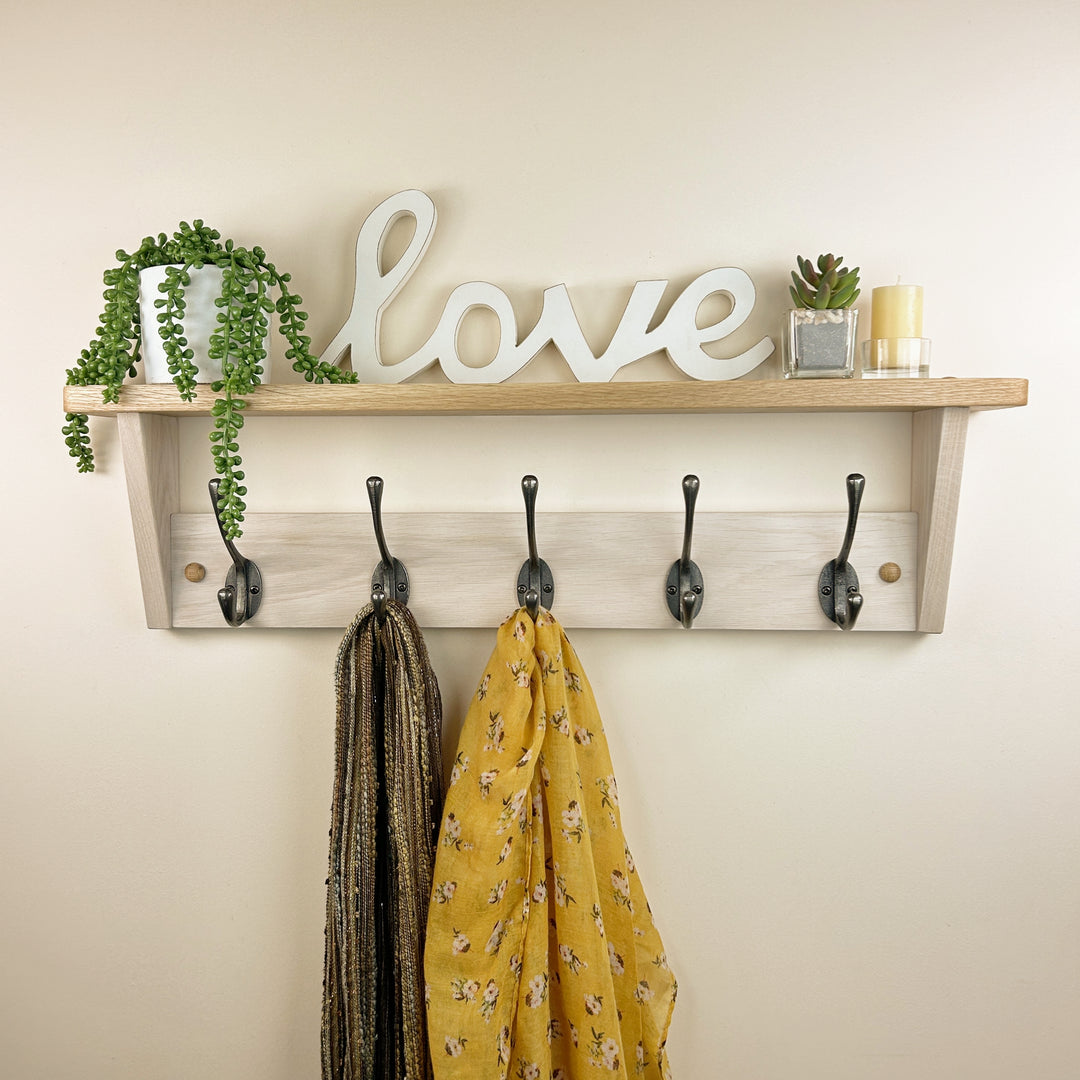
<point x="542" y="960"/>
<point x="388" y="792"/>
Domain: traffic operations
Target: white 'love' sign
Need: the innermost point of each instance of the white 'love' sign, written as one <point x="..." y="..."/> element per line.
<point x="678" y="334"/>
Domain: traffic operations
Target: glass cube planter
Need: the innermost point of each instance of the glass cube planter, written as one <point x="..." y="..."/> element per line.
<point x="820" y="344"/>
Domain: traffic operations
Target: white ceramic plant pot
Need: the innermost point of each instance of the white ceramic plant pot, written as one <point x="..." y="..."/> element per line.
<point x="199" y="322"/>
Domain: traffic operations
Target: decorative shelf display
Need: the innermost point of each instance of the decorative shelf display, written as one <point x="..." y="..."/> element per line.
<point x="752" y="563"/>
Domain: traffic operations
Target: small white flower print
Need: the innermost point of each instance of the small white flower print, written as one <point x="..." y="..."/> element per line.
<point x="554" y="1031"/>
<point x="547" y="666"/>
<point x="571" y="818"/>
<point x="460" y="768"/>
<point x="464" y="989"/>
<point x="519" y="669"/>
<point x="643" y="992"/>
<point x="505" y="853"/>
<point x="485" y="780"/>
<point x="502" y="1046"/>
<point x="527" y="1070"/>
<point x="443" y="893"/>
<point x="519" y="631"/>
<point x="525" y="758"/>
<point x="593" y="1004"/>
<point x="460" y="943"/>
<point x="642" y="1059"/>
<point x="538" y="991"/>
<point x="452" y="832"/>
<point x="616" y="960"/>
<point x="455" y="1047"/>
<point x="630" y="861"/>
<point x="598" y="918"/>
<point x="496" y="939"/>
<point x="582" y="736"/>
<point x="572" y="960"/>
<point x="495" y="733"/>
<point x="609" y="1050"/>
<point x="514" y="810"/>
<point x="515" y="965"/>
<point x="562" y="897"/>
<point x="620" y="888"/>
<point x="539" y="893"/>
<point x="560" y="721"/>
<point x="603" y="1051"/>
<point x="482" y="689"/>
<point x="573" y="681"/>
<point x="489" y="1001"/>
<point x="498" y="892"/>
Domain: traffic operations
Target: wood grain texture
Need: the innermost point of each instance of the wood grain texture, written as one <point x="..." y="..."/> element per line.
<point x="760" y="570"/>
<point x="151" y="449"/>
<point x="937" y="463"/>
<point x="410" y="399"/>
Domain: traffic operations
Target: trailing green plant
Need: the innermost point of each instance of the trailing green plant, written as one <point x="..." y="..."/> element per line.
<point x="829" y="285"/>
<point x="239" y="342"/>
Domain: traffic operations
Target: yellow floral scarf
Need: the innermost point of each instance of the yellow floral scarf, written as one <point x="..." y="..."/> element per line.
<point x="542" y="961"/>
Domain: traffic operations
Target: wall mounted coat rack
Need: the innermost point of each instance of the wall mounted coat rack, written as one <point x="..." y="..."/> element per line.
<point x="762" y="569"/>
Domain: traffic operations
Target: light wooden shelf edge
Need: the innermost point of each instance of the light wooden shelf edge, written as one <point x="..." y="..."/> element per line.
<point x="408" y="399"/>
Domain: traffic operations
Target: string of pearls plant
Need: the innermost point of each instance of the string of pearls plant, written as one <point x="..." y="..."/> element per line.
<point x="239" y="342"/>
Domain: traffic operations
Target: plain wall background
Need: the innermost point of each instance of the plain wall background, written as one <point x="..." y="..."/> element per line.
<point x="863" y="850"/>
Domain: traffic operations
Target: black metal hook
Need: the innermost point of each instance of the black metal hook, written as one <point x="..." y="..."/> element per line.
<point x="838" y="585"/>
<point x="685" y="586"/>
<point x="535" y="584"/>
<point x="390" y="578"/>
<point x="241" y="594"/>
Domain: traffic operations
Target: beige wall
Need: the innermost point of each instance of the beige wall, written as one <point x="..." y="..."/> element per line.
<point x="863" y="849"/>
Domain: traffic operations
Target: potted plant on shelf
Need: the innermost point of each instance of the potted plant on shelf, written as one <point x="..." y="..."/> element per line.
<point x="232" y="356"/>
<point x="819" y="339"/>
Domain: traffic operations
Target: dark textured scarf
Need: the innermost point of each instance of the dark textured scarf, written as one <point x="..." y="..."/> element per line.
<point x="388" y="792"/>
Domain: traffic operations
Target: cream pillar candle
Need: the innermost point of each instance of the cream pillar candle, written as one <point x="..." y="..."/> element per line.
<point x="896" y="311"/>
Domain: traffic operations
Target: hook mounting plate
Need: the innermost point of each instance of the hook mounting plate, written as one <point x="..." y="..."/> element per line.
<point x="394" y="580"/>
<point x="253" y="579"/>
<point x="540" y="579"/>
<point x="679" y="584"/>
<point x="832" y="582"/>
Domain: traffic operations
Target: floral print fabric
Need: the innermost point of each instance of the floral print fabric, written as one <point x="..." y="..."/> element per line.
<point x="542" y="961"/>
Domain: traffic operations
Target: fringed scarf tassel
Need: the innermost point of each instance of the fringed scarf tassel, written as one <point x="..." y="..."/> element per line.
<point x="388" y="794"/>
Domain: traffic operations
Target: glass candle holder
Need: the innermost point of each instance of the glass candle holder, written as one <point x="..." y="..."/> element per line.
<point x="896" y="358"/>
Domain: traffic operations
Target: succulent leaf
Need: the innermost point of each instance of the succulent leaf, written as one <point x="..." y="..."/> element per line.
<point x="830" y="285"/>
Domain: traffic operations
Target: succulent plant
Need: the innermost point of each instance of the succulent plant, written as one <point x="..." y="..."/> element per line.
<point x="829" y="285"/>
<point x="239" y="342"/>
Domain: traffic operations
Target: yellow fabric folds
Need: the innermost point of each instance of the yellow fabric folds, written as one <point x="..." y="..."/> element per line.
<point x="542" y="961"/>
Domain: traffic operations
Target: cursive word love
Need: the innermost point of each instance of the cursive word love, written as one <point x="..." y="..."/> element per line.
<point x="677" y="334"/>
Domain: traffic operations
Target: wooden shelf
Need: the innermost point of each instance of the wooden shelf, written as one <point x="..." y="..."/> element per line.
<point x="315" y="571"/>
<point x="412" y="399"/>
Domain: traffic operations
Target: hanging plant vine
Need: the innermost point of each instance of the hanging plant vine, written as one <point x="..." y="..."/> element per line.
<point x="239" y="342"/>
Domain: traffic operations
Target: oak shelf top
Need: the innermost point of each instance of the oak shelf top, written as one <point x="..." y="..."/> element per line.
<point x="414" y="399"/>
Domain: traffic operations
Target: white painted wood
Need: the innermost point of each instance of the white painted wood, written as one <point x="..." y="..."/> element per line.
<point x="678" y="333"/>
<point x="937" y="462"/>
<point x="760" y="570"/>
<point x="151" y="448"/>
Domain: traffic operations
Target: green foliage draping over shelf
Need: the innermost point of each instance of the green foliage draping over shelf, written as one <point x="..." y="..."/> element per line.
<point x="239" y="341"/>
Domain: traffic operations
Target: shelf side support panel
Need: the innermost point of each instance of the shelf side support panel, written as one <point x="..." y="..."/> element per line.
<point x="151" y="450"/>
<point x="937" y="464"/>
